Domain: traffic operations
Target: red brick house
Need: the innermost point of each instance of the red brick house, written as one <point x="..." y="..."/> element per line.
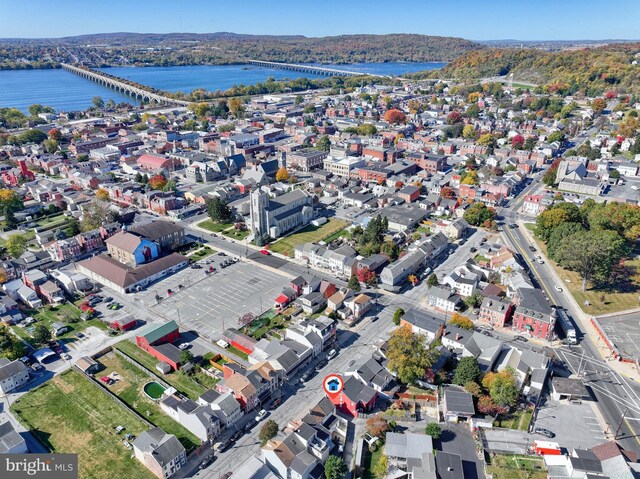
<point x="14" y="176"/>
<point x="495" y="311"/>
<point x="355" y="397"/>
<point x="409" y="193"/>
<point x="533" y="315"/>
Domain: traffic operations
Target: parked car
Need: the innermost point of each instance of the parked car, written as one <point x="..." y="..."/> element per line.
<point x="541" y="261"/>
<point x="521" y="339"/>
<point x="37" y="367"/>
<point x="66" y="356"/>
<point x="184" y="346"/>
<point x="264" y="252"/>
<point x="196" y="266"/>
<point x="261" y="415"/>
<point x="544" y="432"/>
<point x="558" y="288"/>
<point x="332" y="354"/>
<point x="108" y="299"/>
<point x="206" y="462"/>
<point x="237" y="435"/>
<point x="374" y="319"/>
<point x="79" y="335"/>
<point x="308" y="375"/>
<point x="473" y="249"/>
<point x="532" y="249"/>
<point x="222" y="445"/>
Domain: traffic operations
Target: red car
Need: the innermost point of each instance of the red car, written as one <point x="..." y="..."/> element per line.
<point x="264" y="252"/>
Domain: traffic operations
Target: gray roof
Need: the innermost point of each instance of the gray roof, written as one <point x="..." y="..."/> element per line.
<point x="12" y="369"/>
<point x="457" y="400"/>
<point x="449" y="466"/>
<point x="162" y="446"/>
<point x="423" y="320"/>
<point x="9" y="438"/>
<point x="408" y="445"/>
<point x="570" y="386"/>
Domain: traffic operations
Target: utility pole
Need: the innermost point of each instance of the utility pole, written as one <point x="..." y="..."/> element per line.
<point x="620" y="425"/>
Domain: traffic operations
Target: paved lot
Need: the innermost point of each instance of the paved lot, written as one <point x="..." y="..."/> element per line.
<point x="208" y="304"/>
<point x="508" y="441"/>
<point x="623" y="331"/>
<point x="575" y="425"/>
<point x="457" y="439"/>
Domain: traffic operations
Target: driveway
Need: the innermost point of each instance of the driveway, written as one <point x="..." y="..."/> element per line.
<point x="457" y="439"/>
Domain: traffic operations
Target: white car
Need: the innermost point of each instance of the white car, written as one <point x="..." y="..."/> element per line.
<point x="540" y="261"/>
<point x="66" y="356"/>
<point x="332" y="354"/>
<point x="184" y="346"/>
<point x="261" y="415"/>
<point x="558" y="288"/>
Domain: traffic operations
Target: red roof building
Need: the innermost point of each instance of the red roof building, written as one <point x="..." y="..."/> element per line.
<point x="156" y="162"/>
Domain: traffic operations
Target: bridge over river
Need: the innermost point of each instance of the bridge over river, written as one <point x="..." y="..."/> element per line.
<point x="121" y="85"/>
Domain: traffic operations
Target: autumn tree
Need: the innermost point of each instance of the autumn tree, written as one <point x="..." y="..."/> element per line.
<point x="268" y="431"/>
<point x="395" y="116"/>
<point x="502" y="387"/>
<point x="236" y="107"/>
<point x="282" y="174"/>
<point x="487" y="140"/>
<point x="366" y="276"/>
<point x="461" y="321"/>
<point x="517" y="142"/>
<point x="486" y="405"/>
<point x="377" y="425"/>
<point x="598" y="105"/>
<point x="454" y="117"/>
<point x="469" y="131"/>
<point x="10" y="203"/>
<point x="102" y="194"/>
<point x="95" y="213"/>
<point x="447" y="192"/>
<point x="157" y="182"/>
<point x="55" y="134"/>
<point x="408" y="355"/>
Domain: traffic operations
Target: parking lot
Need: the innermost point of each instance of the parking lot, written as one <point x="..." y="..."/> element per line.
<point x="209" y="303"/>
<point x="623" y="331"/>
<point x="574" y="425"/>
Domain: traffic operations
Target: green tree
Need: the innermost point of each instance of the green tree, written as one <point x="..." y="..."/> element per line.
<point x="548" y="220"/>
<point x="11" y="346"/>
<point x="479" y="213"/>
<point x="72" y="227"/>
<point x="41" y="334"/>
<point x="559" y="234"/>
<point x="98" y="102"/>
<point x="95" y="213"/>
<point x="432" y="280"/>
<point x="408" y="355"/>
<point x="50" y="145"/>
<point x="504" y="390"/>
<point x="32" y="136"/>
<point x="185" y="357"/>
<point x="353" y="283"/>
<point x="391" y="249"/>
<point x="334" y="468"/>
<point x="218" y="210"/>
<point x="556" y="136"/>
<point x="474" y="300"/>
<point x="268" y="431"/>
<point x="367" y="129"/>
<point x="397" y="316"/>
<point x="467" y="371"/>
<point x="592" y="254"/>
<point x="16" y="245"/>
<point x="380" y="467"/>
<point x="10" y="202"/>
<point x="433" y="429"/>
<point x="323" y="143"/>
<point x="190" y="125"/>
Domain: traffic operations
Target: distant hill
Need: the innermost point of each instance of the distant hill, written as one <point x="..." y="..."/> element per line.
<point x="223" y="47"/>
<point x="593" y="70"/>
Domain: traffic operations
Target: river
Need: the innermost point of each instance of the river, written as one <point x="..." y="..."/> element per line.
<point x="65" y="91"/>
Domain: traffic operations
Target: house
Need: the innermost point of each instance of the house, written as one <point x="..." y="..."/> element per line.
<point x="613" y="460"/>
<point x="238" y="340"/>
<point x="423" y="323"/>
<point x="451" y="229"/>
<point x="441" y="298"/>
<point x="29" y="297"/>
<point x="462" y="280"/>
<point x="355" y="397"/>
<point x="11" y="442"/>
<point x="251" y="387"/>
<point x="58" y="328"/>
<point x="357" y="306"/>
<point x="571" y="389"/>
<point x="411" y="454"/>
<point x="457" y="404"/>
<point x="13" y="375"/>
<point x="160" y="452"/>
<point x="224" y="405"/>
<point x="372" y="372"/>
<point x="533" y="315"/>
<point x="156" y="340"/>
<point x="312" y="302"/>
<point x="87" y="365"/>
<point x="130" y="249"/>
<point x="533" y="205"/>
<point x="198" y="419"/>
<point x="340" y="260"/>
<point x="495" y="311"/>
<point x="275" y="217"/>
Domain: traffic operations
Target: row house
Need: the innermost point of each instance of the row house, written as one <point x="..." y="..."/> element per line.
<point x="251" y="387"/>
<point x="65" y="249"/>
<point x="198" y="419"/>
<point x="533" y="315"/>
<point x="441" y="298"/>
<point x="495" y="311"/>
<point x="340" y="260"/>
<point x="225" y="407"/>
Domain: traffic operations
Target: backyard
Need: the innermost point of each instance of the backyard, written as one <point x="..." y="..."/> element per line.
<point x="308" y="234"/>
<point x="517" y="467"/>
<point x="129" y="389"/>
<point x="188" y="385"/>
<point x="520" y="419"/>
<point x="70" y="415"/>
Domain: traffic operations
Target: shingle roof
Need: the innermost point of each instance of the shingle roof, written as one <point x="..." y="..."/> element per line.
<point x="11" y="369"/>
<point x="156" y="229"/>
<point x="124" y="241"/>
<point x="9" y="438"/>
<point x="155" y="331"/>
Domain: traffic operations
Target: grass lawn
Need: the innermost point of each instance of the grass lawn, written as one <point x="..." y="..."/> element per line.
<point x="530" y="226"/>
<point x="517" y="467"/>
<point x="518" y="420"/>
<point x="178" y="380"/>
<point x="371" y="459"/>
<point x="201" y="253"/>
<point x="308" y="234"/>
<point x="235" y="351"/>
<point x="215" y="227"/>
<point x="236" y="234"/>
<point x="51" y="222"/>
<point x="129" y="389"/>
<point x="70" y="415"/>
<point x="614" y="299"/>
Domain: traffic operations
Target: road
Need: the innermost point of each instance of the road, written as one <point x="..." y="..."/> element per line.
<point x="618" y="397"/>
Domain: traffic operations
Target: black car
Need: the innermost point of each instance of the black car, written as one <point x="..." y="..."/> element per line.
<point x="532" y="249"/>
<point x="207" y="461"/>
<point x="521" y="339"/>
<point x="237" y="435"/>
<point x="196" y="266"/>
<point x="108" y="299"/>
<point x="249" y="426"/>
<point x="473" y="249"/>
<point x="544" y="432"/>
<point x="374" y="319"/>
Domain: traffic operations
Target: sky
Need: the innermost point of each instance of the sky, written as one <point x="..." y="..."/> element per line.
<point x="471" y="19"/>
